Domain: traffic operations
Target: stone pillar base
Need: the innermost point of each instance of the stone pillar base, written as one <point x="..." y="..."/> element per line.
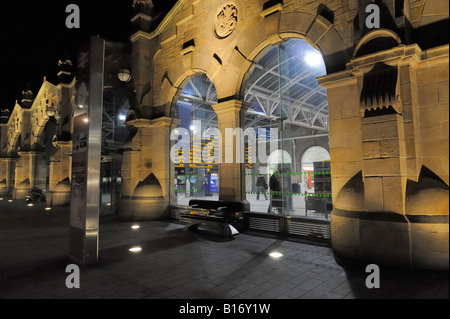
<point x="58" y="199"/>
<point x="4" y="191"/>
<point x="144" y="209"/>
<point x="19" y="194"/>
<point x="390" y="239"/>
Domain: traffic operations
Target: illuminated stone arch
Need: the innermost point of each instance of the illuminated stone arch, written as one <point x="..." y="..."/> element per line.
<point x="25" y="158"/>
<point x="181" y="75"/>
<point x="227" y="66"/>
<point x="48" y="97"/>
<point x="315" y="30"/>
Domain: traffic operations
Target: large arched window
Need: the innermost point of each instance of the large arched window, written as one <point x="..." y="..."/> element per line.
<point x="288" y="111"/>
<point x="195" y="174"/>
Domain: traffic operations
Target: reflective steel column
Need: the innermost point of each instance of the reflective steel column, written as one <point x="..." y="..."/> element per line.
<point x="86" y="154"/>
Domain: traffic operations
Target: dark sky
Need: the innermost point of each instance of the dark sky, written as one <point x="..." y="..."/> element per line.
<point x="34" y="37"/>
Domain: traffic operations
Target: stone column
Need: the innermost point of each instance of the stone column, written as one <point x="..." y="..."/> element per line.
<point x="230" y="175"/>
<point x="5" y="175"/>
<point x="384" y="163"/>
<point x="146" y="170"/>
<point x="5" y="159"/>
<point x="24" y="175"/>
<point x="60" y="175"/>
<point x="387" y="116"/>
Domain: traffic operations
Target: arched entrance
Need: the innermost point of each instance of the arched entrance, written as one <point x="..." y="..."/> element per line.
<point x="315" y="155"/>
<point x="194" y="169"/>
<point x="288" y="111"/>
<point x="47" y="149"/>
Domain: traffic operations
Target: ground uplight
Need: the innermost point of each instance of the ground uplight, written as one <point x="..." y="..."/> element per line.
<point x="276" y="254"/>
<point x="135" y="249"/>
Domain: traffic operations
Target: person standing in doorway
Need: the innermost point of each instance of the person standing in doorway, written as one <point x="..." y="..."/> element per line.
<point x="261" y="186"/>
<point x="275" y="193"/>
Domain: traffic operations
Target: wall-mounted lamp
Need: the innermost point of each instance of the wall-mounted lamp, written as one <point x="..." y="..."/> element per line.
<point x="50" y="111"/>
<point x="124" y="75"/>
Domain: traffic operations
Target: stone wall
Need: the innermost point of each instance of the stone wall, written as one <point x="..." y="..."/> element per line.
<point x="388" y="109"/>
<point x="22" y="163"/>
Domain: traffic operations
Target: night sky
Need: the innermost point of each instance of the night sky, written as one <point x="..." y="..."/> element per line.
<point x="34" y="37"/>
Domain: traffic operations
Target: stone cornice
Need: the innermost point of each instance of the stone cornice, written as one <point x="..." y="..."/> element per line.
<point x="146" y="123"/>
<point x="400" y="55"/>
<point x="228" y="106"/>
<point x="334" y="80"/>
<point x="141" y="35"/>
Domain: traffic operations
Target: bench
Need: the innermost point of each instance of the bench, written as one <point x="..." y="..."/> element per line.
<point x="224" y="216"/>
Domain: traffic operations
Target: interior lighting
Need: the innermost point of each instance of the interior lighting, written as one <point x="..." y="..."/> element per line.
<point x="313" y="58"/>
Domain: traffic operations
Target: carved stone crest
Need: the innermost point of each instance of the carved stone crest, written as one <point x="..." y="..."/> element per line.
<point x="226" y="21"/>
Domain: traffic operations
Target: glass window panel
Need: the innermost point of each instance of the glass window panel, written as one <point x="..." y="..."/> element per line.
<point x="283" y="95"/>
<point x="196" y="174"/>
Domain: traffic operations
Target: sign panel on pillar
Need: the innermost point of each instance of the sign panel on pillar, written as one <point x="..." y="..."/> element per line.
<point x="86" y="153"/>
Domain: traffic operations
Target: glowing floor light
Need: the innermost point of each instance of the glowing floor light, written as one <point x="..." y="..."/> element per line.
<point x="276" y="254"/>
<point x="30" y="205"/>
<point x="48" y="208"/>
<point x="135" y="227"/>
<point x="135" y="249"/>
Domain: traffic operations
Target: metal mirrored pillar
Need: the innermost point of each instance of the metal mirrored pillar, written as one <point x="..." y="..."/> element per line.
<point x="86" y="153"/>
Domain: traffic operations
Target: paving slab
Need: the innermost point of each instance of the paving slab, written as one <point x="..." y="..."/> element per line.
<point x="174" y="264"/>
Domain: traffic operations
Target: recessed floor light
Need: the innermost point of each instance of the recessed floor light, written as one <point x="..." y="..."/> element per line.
<point x="30" y="204"/>
<point x="48" y="208"/>
<point x="276" y="254"/>
<point x="135" y="227"/>
<point x="135" y="249"/>
<point x="10" y="200"/>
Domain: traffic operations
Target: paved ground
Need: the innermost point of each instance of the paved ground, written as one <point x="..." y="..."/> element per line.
<point x="174" y="264"/>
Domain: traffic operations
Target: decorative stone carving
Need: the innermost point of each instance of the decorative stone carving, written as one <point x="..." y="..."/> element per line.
<point x="226" y="21"/>
<point x="379" y="95"/>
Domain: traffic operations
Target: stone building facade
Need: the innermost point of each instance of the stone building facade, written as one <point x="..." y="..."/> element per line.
<point x="387" y="92"/>
<point x="36" y="141"/>
<point x="384" y="122"/>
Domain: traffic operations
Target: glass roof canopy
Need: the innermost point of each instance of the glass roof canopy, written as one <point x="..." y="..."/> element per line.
<point x="283" y="84"/>
<point x="290" y="68"/>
